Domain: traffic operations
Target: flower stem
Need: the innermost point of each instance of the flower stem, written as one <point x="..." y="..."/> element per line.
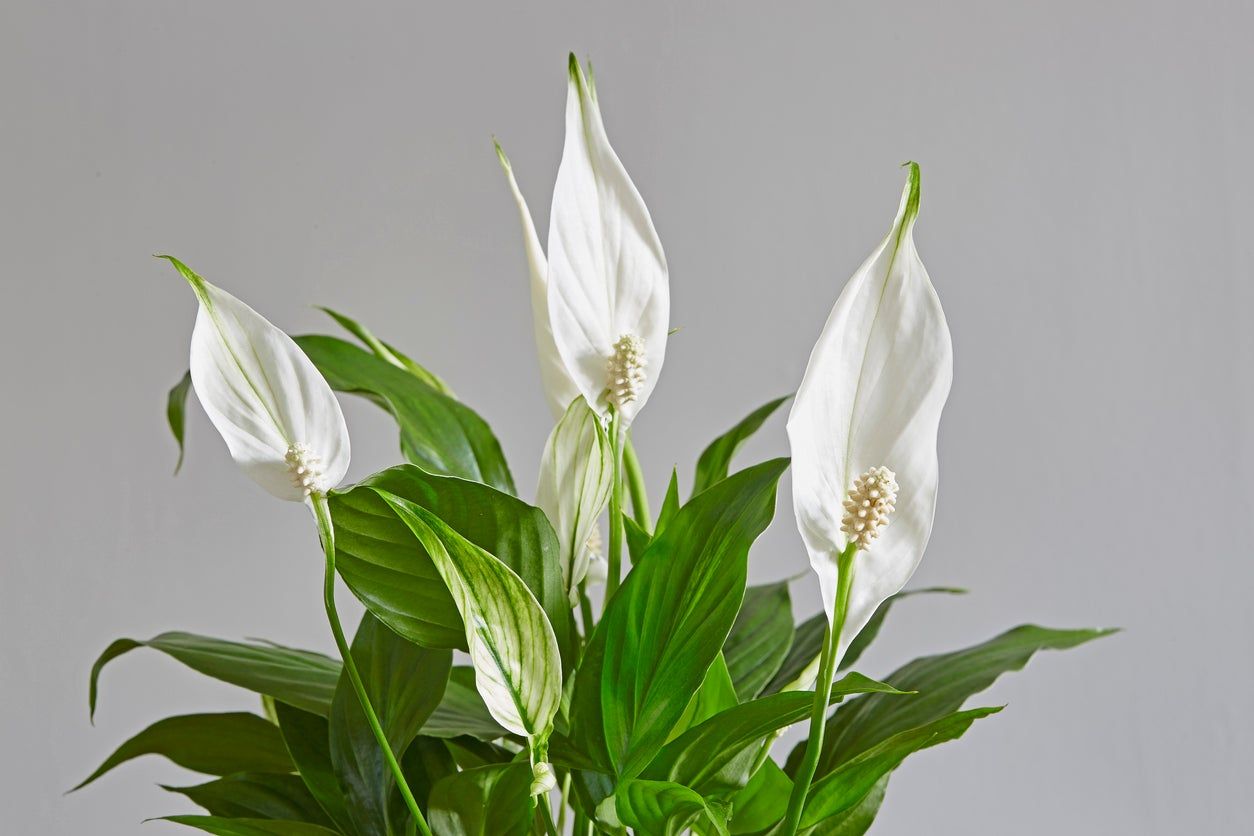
<point x="616" y="510"/>
<point x="322" y="512"/>
<point x="822" y="694"/>
<point x="635" y="485"/>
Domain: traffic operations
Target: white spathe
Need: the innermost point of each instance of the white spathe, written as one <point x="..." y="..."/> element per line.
<point x="272" y="407"/>
<point x="606" y="272"/>
<point x="872" y="397"/>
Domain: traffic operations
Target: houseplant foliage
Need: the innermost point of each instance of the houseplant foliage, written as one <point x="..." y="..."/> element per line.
<point x="580" y="665"/>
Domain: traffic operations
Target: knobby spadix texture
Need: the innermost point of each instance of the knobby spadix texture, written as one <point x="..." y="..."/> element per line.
<point x="576" y="476"/>
<point x="872" y="397"/>
<point x="279" y="418"/>
<point x="607" y="292"/>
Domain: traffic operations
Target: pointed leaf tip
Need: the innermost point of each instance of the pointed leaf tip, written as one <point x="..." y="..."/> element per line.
<point x="500" y="155"/>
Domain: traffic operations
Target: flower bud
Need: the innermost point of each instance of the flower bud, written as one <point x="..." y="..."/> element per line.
<point x="542" y="778"/>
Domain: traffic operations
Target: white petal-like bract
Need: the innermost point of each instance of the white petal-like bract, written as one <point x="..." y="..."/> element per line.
<point x="872" y="397"/>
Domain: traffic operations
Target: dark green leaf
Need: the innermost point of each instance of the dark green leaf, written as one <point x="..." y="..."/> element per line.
<point x="462" y="711"/>
<point x="386" y="566"/>
<point x="807" y="642"/>
<point x="257" y="795"/>
<point x="855" y="821"/>
<point x="944" y="682"/>
<point x="427" y="761"/>
<point x="844" y="788"/>
<point x="760" y="638"/>
<point x="298" y="677"/>
<point x="386" y="352"/>
<point x="308" y="740"/>
<point x="215" y="744"/>
<point x="404" y="683"/>
<point x="488" y="801"/>
<point x="762" y="802"/>
<point x="438" y="433"/>
<point x="872" y="628"/>
<point x="249" y="827"/>
<point x="668" y="621"/>
<point x="176" y="413"/>
<point x="716" y="459"/>
<point x="660" y="808"/>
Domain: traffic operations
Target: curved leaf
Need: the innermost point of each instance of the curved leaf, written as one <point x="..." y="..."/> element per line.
<point x="716" y="459"/>
<point x="176" y="413"/>
<point x="257" y="795"/>
<point x="249" y="827"/>
<point x="854" y="821"/>
<point x="308" y="740"/>
<point x="872" y="629"/>
<point x="661" y="808"/>
<point x="462" y="712"/>
<point x="386" y="352"/>
<point x="759" y="640"/>
<point x="762" y="802"/>
<point x="485" y="801"/>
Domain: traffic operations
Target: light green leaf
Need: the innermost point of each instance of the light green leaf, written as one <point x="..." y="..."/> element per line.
<point x="717" y="693"/>
<point x="668" y="622"/>
<point x="854" y="821"/>
<point x="215" y="744"/>
<point x="249" y="827"/>
<point x="298" y="677"/>
<point x="670" y="503"/>
<point x="176" y="413"/>
<point x="762" y="802"/>
<point x="308" y="740"/>
<point x="462" y="711"/>
<point x="637" y="539"/>
<point x="404" y="683"/>
<point x="518" y="668"/>
<point x="872" y="629"/>
<point x="486" y="801"/>
<point x="660" y="808"/>
<point x="760" y="638"/>
<point x="386" y="352"/>
<point x="716" y="459"/>
<point x="257" y="795"/>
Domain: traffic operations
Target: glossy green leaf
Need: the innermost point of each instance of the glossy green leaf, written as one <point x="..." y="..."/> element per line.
<point x="427" y="761"/>
<point x="387" y="567"/>
<point x="670" y="503"/>
<point x="487" y="801"/>
<point x="257" y="795"/>
<point x="717" y="693"/>
<point x="298" y="677"/>
<point x="308" y="740"/>
<point x="405" y="683"/>
<point x="176" y="414"/>
<point x="762" y="802"/>
<point x="518" y="668"/>
<point x="668" y="622"/>
<point x="943" y="682"/>
<point x="716" y="459"/>
<point x="759" y="640"/>
<point x="439" y="434"/>
<point x="389" y="353"/>
<point x="462" y="712"/>
<point x="801" y="662"/>
<point x="842" y="789"/>
<point x="872" y="629"/>
<point x="707" y="757"/>
<point x="660" y="808"/>
<point x="215" y="744"/>
<point x="637" y="539"/>
<point x="249" y="827"/>
<point x="854" y="821"/>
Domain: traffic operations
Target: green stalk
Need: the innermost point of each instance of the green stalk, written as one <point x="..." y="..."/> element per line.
<point x="635" y="485"/>
<point x="322" y="512"/>
<point x="616" y="509"/>
<point x="561" y="810"/>
<point x="822" y="694"/>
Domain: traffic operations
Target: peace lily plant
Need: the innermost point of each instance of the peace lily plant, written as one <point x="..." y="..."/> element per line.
<point x="492" y="687"/>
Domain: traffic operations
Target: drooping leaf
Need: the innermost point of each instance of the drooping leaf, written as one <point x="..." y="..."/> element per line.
<point x="716" y="459"/>
<point x="800" y="666"/>
<point x="392" y="573"/>
<point x="759" y="640"/>
<point x="842" y="789"/>
<point x="462" y="712"/>
<point x="762" y="802"/>
<point x="404" y="683"/>
<point x="308" y="740"/>
<point x="668" y="621"/>
<point x="518" y="668"/>
<point x="872" y="629"/>
<point x="943" y="683"/>
<point x="386" y="352"/>
<point x="249" y="827"/>
<point x="176" y="413"/>
<point x="298" y="677"/>
<point x="439" y="434"/>
<point x="215" y="744"/>
<point x="487" y="801"/>
<point x="258" y="795"/>
<point x="661" y="808"/>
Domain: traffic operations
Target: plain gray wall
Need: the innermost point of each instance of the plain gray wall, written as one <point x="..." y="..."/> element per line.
<point x="1086" y="220"/>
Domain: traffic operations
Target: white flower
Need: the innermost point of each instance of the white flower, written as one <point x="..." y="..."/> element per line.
<point x="279" y="418"/>
<point x="608" y="296"/>
<point x="872" y="398"/>
<point x="576" y="476"/>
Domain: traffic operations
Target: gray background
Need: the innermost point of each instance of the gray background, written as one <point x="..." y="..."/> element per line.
<point x="1085" y="219"/>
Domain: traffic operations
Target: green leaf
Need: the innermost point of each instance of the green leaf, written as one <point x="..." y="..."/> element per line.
<point x="215" y="744"/>
<point x="660" y="808"/>
<point x="387" y="567"/>
<point x="438" y="433"/>
<point x="518" y="668"/>
<point x="944" y="682"/>
<point x="762" y="802"/>
<point x="668" y="621"/>
<point x="176" y="413"/>
<point x="844" y="788"/>
<point x="872" y="628"/>
<point x="807" y="642"/>
<point x="717" y="693"/>
<point x="297" y="677"/>
<point x="855" y="821"/>
<point x="249" y="827"/>
<point x="404" y="683"/>
<point x="427" y="761"/>
<point x="386" y="352"/>
<point x="760" y="638"/>
<point x="257" y="795"/>
<point x="670" y="503"/>
<point x="462" y="711"/>
<point x="715" y="460"/>
<point x="709" y="756"/>
<point x="308" y="740"/>
<point x="637" y="539"/>
<point x="487" y="801"/>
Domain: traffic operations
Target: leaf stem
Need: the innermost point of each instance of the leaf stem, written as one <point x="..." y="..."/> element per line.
<point x="635" y="485"/>
<point x="822" y="693"/>
<point x="326" y="532"/>
<point x="616" y="509"/>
